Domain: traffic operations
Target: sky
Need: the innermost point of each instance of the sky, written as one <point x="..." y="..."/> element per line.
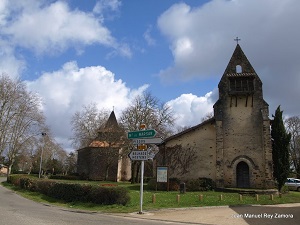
<point x="74" y="52"/>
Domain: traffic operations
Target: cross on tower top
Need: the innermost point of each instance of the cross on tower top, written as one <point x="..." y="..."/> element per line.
<point x="237" y="39"/>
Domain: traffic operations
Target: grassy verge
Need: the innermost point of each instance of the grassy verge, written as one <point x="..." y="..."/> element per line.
<point x="163" y="199"/>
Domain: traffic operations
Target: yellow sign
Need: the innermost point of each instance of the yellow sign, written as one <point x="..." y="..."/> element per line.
<point x="142" y="147"/>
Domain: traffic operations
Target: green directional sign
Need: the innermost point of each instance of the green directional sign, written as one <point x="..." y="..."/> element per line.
<point x="141" y="134"/>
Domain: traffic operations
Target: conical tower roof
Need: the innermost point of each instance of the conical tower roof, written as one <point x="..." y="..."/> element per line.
<point x="109" y="133"/>
<point x="112" y="121"/>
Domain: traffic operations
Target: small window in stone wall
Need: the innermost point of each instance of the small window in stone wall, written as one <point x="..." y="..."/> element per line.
<point x="238" y="69"/>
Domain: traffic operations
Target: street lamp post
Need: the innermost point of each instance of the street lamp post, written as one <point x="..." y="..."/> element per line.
<point x="40" y="172"/>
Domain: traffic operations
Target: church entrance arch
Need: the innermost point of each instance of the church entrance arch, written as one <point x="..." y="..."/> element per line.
<point x="242" y="175"/>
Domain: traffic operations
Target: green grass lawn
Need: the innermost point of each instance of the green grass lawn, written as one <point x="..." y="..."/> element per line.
<point x="163" y="199"/>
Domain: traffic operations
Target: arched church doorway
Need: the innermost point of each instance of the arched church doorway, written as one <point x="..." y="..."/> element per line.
<point x="242" y="175"/>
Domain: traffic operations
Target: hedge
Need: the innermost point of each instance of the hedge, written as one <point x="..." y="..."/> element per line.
<point x="69" y="192"/>
<point x="200" y="184"/>
<point x="64" y="177"/>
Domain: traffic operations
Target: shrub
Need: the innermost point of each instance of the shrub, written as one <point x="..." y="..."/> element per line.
<point x="109" y="196"/>
<point x="200" y="184"/>
<point x="67" y="192"/>
<point x="73" y="192"/>
<point x="64" y="177"/>
<point x="208" y="183"/>
<point x="14" y="179"/>
<point x="173" y="185"/>
<point x="43" y="186"/>
<point x="284" y="189"/>
<point x="151" y="184"/>
<point x="193" y="185"/>
<point x="25" y="183"/>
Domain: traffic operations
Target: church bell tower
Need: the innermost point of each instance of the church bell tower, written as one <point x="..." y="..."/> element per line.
<point x="243" y="140"/>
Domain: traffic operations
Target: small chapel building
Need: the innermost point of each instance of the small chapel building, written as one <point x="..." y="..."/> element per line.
<point x="103" y="158"/>
<point x="233" y="148"/>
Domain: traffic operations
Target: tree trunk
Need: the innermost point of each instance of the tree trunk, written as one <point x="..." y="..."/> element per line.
<point x="133" y="172"/>
<point x="106" y="173"/>
<point x="138" y="166"/>
<point x="9" y="169"/>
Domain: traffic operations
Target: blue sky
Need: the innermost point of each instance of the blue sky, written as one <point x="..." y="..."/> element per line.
<point x="73" y="52"/>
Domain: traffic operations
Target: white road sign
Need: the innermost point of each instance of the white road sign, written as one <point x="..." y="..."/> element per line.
<point x="147" y="141"/>
<point x="152" y="151"/>
<point x="138" y="155"/>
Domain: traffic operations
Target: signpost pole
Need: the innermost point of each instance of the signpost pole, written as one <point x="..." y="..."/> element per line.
<point x="142" y="187"/>
<point x="142" y="127"/>
<point x="141" y="138"/>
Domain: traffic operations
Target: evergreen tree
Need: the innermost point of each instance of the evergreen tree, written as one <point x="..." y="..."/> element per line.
<point x="280" y="149"/>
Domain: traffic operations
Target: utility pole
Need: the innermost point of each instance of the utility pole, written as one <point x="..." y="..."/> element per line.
<point x="41" y="160"/>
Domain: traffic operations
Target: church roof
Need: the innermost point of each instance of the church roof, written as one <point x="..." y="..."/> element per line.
<point x="109" y="135"/>
<point x="112" y="121"/>
<point x="211" y="120"/>
<point x="238" y="59"/>
<point x="104" y="144"/>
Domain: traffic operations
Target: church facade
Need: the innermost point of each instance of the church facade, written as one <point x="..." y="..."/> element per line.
<point x="233" y="148"/>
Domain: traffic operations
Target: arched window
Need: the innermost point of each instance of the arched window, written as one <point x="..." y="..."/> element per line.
<point x="238" y="69"/>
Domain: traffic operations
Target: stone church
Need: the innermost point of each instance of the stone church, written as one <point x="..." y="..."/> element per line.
<point x="233" y="148"/>
<point x="103" y="158"/>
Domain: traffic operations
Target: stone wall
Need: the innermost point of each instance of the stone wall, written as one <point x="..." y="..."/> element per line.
<point x="201" y="140"/>
<point x="92" y="164"/>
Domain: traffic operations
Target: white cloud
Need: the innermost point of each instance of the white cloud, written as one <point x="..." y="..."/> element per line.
<point x="9" y="63"/>
<point x="201" y="41"/>
<point x="53" y="28"/>
<point x="111" y="5"/>
<point x="65" y="91"/>
<point x="147" y="35"/>
<point x="189" y="109"/>
<point x="56" y="27"/>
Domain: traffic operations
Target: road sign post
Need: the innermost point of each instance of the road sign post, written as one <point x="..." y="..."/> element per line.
<point x="138" y="155"/>
<point x="141" y="138"/>
<point x="141" y="134"/>
<point x="147" y="141"/>
<point x="142" y="187"/>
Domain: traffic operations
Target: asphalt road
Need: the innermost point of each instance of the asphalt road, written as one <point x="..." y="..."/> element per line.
<point x="16" y="210"/>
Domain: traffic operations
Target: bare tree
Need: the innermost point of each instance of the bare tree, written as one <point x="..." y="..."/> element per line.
<point x="181" y="129"/>
<point x="20" y="118"/>
<point x="207" y="116"/>
<point x="178" y="158"/>
<point x="85" y="124"/>
<point x="54" y="156"/>
<point x="70" y="163"/>
<point x="293" y="127"/>
<point x="147" y="109"/>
